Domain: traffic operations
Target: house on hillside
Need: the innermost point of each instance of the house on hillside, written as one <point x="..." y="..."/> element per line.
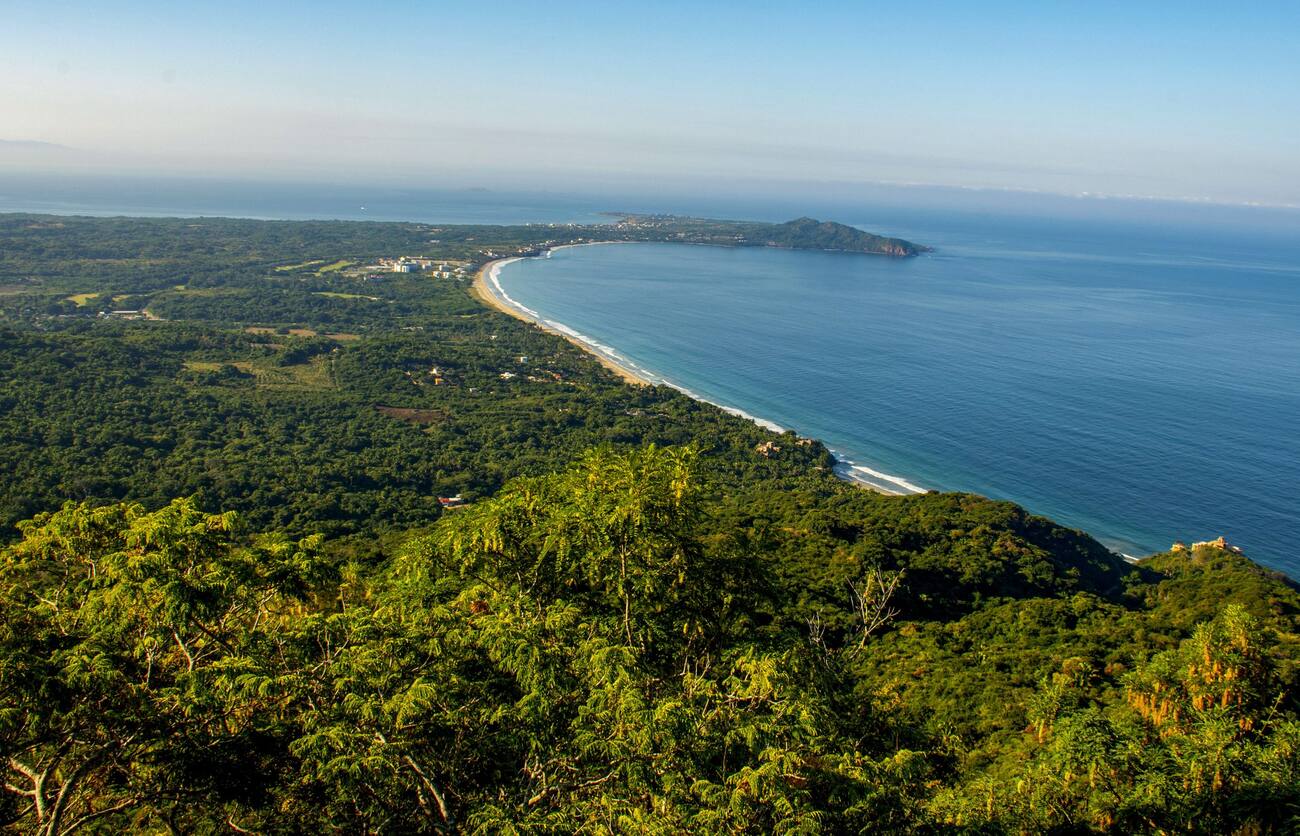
<point x="1220" y="543"/>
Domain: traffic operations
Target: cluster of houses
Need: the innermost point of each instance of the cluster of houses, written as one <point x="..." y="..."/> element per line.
<point x="436" y="376"/>
<point x="768" y="449"/>
<point x="1221" y="543"/>
<point x="416" y="264"/>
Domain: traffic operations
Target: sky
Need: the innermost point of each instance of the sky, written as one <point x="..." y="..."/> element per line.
<point x="1184" y="100"/>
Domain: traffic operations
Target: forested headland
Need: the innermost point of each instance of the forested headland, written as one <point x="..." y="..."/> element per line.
<point x="799" y="234"/>
<point x="233" y="600"/>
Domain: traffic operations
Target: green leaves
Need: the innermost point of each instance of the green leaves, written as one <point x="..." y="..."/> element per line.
<point x="594" y="652"/>
<point x="129" y="626"/>
<point x="616" y="532"/>
<point x="1197" y="745"/>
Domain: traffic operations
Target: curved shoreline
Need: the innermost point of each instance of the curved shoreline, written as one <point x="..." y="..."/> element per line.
<point x="487" y="289"/>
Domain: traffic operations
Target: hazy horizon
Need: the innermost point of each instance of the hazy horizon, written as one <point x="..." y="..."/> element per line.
<point x="876" y="207"/>
<point x="1165" y="101"/>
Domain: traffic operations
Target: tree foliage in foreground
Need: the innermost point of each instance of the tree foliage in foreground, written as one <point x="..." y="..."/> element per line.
<point x="1202" y="742"/>
<point x="593" y="651"/>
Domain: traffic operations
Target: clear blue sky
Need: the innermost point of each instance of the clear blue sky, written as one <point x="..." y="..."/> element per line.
<point x="1146" y="98"/>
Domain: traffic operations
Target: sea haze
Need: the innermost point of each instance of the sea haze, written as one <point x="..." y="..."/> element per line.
<point x="1140" y="383"/>
<point x="173" y="197"/>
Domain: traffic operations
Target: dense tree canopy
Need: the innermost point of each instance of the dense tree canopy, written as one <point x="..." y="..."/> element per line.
<point x="586" y="651"/>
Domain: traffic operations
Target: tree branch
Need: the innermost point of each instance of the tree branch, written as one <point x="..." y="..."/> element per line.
<point x="81" y="820"/>
<point x="437" y="796"/>
<point x="871" y="599"/>
<point x="188" y="657"/>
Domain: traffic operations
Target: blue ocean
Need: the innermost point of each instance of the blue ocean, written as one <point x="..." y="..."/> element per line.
<point x="1130" y="368"/>
<point x="1139" y="383"/>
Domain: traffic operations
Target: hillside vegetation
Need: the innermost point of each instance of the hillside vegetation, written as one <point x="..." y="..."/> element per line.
<point x="601" y="650"/>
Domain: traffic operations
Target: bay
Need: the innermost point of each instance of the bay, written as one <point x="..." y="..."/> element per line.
<point x="1140" y="384"/>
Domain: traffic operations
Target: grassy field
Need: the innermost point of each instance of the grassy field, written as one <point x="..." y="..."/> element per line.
<point x="304" y="265"/>
<point x="182" y="290"/>
<point x="312" y="375"/>
<point x="216" y="365"/>
<point x="333" y="268"/>
<point x="315" y="374"/>
<point x="334" y="295"/>
<point x="299" y="332"/>
<point x="80" y="299"/>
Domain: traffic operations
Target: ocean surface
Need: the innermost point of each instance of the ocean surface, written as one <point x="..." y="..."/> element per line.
<point x="1128" y="367"/>
<point x="1142" y="384"/>
<point x="170" y="197"/>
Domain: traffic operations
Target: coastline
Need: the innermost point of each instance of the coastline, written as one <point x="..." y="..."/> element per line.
<point x="487" y="289"/>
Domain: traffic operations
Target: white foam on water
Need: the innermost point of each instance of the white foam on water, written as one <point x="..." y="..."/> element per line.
<point x="887" y="477"/>
<point x="731" y="410"/>
<point x="852" y="471"/>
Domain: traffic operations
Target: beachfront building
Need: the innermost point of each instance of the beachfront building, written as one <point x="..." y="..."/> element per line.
<point x="407" y="264"/>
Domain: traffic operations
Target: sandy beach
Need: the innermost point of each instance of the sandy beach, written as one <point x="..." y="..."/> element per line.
<point x="486" y="291"/>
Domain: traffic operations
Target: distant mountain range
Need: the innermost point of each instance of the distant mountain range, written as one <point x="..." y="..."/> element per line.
<point x="31" y="145"/>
